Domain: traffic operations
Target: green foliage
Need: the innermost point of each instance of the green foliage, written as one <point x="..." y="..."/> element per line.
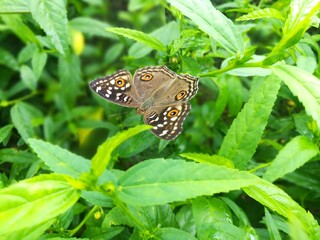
<point x="246" y="165"/>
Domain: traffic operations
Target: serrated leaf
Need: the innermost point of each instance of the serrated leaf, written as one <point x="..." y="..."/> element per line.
<point x="60" y="160"/>
<point x="262" y="13"/>
<point x="212" y="22"/>
<point x="243" y="137"/>
<point x="52" y="18"/>
<point x="101" y="159"/>
<point x="34" y="201"/>
<point x="161" y="181"/>
<point x="138" y="36"/>
<point x="165" y="34"/>
<point x="277" y="200"/>
<point x="14" y="156"/>
<point x="22" y="116"/>
<point x="303" y="85"/>
<point x="296" y="153"/>
<point x="91" y="27"/>
<point x="206" y="158"/>
<point x="14" y="6"/>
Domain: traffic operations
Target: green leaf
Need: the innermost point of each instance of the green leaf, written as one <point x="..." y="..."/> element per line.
<point x="60" y="160"/>
<point x="296" y="153"/>
<point x="277" y="200"/>
<point x="303" y="85"/>
<point x="8" y="60"/>
<point x="243" y="137"/>
<point x="52" y="18"/>
<point x="17" y="25"/>
<point x="262" y="13"/>
<point x="102" y="158"/>
<point x="28" y="77"/>
<point x="5" y="132"/>
<point x="162" y="181"/>
<point x="23" y="116"/>
<point x="138" y="36"/>
<point x="91" y="27"/>
<point x="14" y="156"/>
<point x="212" y="22"/>
<point x="272" y="227"/>
<point x="213" y="217"/>
<point x="69" y="69"/>
<point x="14" y="6"/>
<point x="173" y="233"/>
<point x="206" y="158"/>
<point x="165" y="34"/>
<point x="30" y="202"/>
<point x="38" y="62"/>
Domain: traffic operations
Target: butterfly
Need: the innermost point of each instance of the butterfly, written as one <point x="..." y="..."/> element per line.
<point x="158" y="93"/>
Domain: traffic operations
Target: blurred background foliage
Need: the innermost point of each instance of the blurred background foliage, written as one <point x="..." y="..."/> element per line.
<point x="44" y="89"/>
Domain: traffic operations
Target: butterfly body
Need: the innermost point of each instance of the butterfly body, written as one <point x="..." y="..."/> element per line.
<point x="158" y="93"/>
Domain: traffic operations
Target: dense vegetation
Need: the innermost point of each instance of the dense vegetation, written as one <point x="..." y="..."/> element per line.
<point x="246" y="165"/>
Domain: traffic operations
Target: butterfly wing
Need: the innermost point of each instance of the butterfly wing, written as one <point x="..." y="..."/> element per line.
<point x="117" y="88"/>
<point x="151" y="79"/>
<point x="167" y="120"/>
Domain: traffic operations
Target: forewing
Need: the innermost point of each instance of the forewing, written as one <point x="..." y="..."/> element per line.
<point x="167" y="121"/>
<point x="150" y="79"/>
<point x="117" y="88"/>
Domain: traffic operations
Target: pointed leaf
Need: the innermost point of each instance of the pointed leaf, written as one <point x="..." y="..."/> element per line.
<point x="243" y="137"/>
<point x="296" y="153"/>
<point x="138" y="36"/>
<point x="52" y="18"/>
<point x="304" y="85"/>
<point x="162" y="181"/>
<point x="212" y="22"/>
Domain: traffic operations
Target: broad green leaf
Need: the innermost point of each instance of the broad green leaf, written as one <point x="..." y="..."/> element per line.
<point x="116" y="216"/>
<point x="165" y="34"/>
<point x="102" y="158"/>
<point x="97" y="198"/>
<point x="60" y="160"/>
<point x="69" y="69"/>
<point x="23" y="117"/>
<point x="303" y="85"/>
<point x="52" y="18"/>
<point x="16" y="24"/>
<point x="272" y="227"/>
<point x="261" y="13"/>
<point x="297" y="230"/>
<point x="242" y="217"/>
<point x="212" y="216"/>
<point x="34" y="201"/>
<point x="38" y="62"/>
<point x="296" y="153"/>
<point x="28" y="77"/>
<point x="91" y="27"/>
<point x="8" y="60"/>
<point x="153" y="216"/>
<point x="185" y="219"/>
<point x="243" y="137"/>
<point x="5" y="132"/>
<point x="138" y="36"/>
<point x="27" y="52"/>
<point x="93" y="232"/>
<point x="277" y="200"/>
<point x="206" y="158"/>
<point x="14" y="6"/>
<point x="161" y="181"/>
<point x="173" y="233"/>
<point x="212" y="22"/>
<point x="236" y="97"/>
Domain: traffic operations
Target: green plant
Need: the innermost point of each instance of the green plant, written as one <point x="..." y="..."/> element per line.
<point x="254" y="125"/>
